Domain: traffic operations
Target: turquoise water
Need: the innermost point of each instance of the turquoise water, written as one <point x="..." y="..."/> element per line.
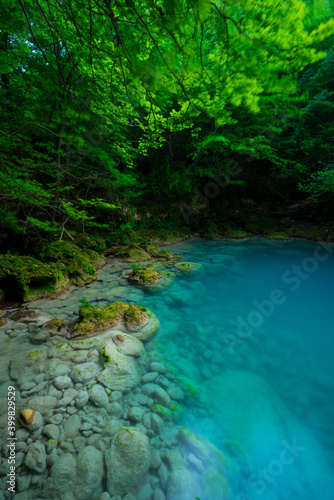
<point x="254" y="330"/>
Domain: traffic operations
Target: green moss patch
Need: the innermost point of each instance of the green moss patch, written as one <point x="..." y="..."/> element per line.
<point x="94" y="319"/>
<point x="144" y="275"/>
<point x="27" y="278"/>
<point x="77" y="263"/>
<point x="280" y="236"/>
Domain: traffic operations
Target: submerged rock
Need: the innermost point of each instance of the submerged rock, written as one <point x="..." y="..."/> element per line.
<point x="120" y="373"/>
<point x="127" y="461"/>
<point x="90" y="472"/>
<point x="127" y="344"/>
<point x="98" y="396"/>
<point x="183" y="484"/>
<point x="85" y="372"/>
<point x="35" y="458"/>
<point x="31" y="419"/>
<point x="188" y="267"/>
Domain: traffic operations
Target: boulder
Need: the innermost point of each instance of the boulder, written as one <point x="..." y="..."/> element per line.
<point x="62" y="477"/>
<point x="120" y="373"/>
<point x="183" y="484"/>
<point x="128" y="461"/>
<point x="90" y="471"/>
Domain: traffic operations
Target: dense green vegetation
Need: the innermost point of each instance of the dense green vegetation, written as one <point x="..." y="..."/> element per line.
<point x="122" y="116"/>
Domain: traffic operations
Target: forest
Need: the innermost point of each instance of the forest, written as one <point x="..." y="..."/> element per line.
<point x="123" y="121"/>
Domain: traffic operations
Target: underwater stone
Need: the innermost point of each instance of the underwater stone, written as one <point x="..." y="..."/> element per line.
<point x="182" y="484"/>
<point x="31" y="419"/>
<point x="35" y="458"/>
<point x="56" y="369"/>
<point x="62" y="382"/>
<point x="215" y="485"/>
<point x="51" y="431"/>
<point x="149" y="377"/>
<point x="62" y="477"/>
<point x="98" y="396"/>
<point x="162" y="397"/>
<point x="72" y="426"/>
<point x="85" y="372"/>
<point x="156" y="423"/>
<point x="157" y="367"/>
<point x="135" y="414"/>
<point x="128" y="460"/>
<point x="90" y="472"/>
<point x="121" y="373"/>
<point x="176" y="394"/>
<point x="158" y="494"/>
<point x="43" y="404"/>
<point x="127" y="344"/>
<point x="81" y="399"/>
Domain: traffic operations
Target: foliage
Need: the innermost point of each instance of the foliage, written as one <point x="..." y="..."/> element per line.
<point x="105" y="106"/>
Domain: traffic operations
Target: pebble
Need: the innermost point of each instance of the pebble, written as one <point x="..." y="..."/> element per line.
<point x="56" y="419"/>
<point x="156" y="423"/>
<point x="176" y="394"/>
<point x="157" y="367"/>
<point x="135" y="414"/>
<point x="162" y="397"/>
<point x="155" y="459"/>
<point x="72" y="426"/>
<point x="52" y="457"/>
<point x="81" y="399"/>
<point x="51" y="431"/>
<point x="149" y="377"/>
<point x="115" y="409"/>
<point x="98" y="396"/>
<point x="62" y="382"/>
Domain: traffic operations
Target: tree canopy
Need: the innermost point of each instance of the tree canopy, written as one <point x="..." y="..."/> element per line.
<point x="104" y="102"/>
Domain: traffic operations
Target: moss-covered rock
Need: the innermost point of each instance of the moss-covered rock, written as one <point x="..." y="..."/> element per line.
<point x="55" y="326"/>
<point x="3" y="322"/>
<point x="188" y="267"/>
<point x="77" y="263"/>
<point x="280" y="236"/>
<point x="215" y="485"/>
<point x="163" y="412"/>
<point x="25" y="278"/>
<point x="188" y="385"/>
<point x="127" y="461"/>
<point x="94" y="319"/>
<point x="160" y="253"/>
<point x="89" y="242"/>
<point x="144" y="275"/>
<point x="238" y="235"/>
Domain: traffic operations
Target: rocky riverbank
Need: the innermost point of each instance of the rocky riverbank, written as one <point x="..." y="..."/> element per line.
<point x="99" y="411"/>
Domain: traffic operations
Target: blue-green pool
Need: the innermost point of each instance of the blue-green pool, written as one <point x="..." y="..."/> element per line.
<point x="254" y="330"/>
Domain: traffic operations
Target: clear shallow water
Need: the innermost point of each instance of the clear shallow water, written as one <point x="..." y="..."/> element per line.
<point x="253" y="334"/>
<point x="256" y="335"/>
